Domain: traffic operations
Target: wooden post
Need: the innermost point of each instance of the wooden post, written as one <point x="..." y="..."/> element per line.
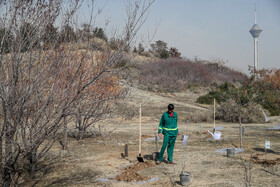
<point x="240" y="130"/>
<point x="214" y="114"/>
<point x="126" y="150"/>
<point x="140" y="133"/>
<point x="265" y="154"/>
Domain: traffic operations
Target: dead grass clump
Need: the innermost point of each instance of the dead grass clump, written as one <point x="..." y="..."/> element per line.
<point x="202" y="116"/>
<point x="147" y="54"/>
<point x="265" y="162"/>
<point x="75" y="133"/>
<point x="229" y="112"/>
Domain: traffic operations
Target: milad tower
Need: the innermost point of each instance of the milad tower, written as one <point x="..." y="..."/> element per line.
<point x="255" y="32"/>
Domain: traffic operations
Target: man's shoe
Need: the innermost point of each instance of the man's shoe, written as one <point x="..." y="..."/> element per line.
<point x="171" y="162"/>
<point x="158" y="162"/>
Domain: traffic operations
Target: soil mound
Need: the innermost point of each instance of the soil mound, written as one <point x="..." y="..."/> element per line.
<point x="130" y="173"/>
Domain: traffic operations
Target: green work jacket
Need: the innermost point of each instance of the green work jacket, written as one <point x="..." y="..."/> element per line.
<point x="168" y="124"/>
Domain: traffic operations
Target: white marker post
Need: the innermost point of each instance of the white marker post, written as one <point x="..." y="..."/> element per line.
<point x="267" y="146"/>
<point x="201" y="127"/>
<point x="185" y="143"/>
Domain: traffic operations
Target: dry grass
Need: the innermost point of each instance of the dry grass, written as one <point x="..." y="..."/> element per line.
<point x="100" y="157"/>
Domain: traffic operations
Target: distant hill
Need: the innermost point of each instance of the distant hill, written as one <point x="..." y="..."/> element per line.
<point x="176" y="74"/>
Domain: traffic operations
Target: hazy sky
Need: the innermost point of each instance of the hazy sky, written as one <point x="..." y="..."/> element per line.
<point x="208" y="29"/>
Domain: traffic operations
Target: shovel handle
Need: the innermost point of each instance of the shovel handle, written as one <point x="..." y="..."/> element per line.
<point x="140" y="133"/>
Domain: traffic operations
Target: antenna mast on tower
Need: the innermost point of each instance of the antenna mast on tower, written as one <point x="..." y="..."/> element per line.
<point x="255" y="13"/>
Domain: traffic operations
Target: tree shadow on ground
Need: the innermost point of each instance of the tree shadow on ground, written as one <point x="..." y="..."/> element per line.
<point x="268" y="151"/>
<point x="270" y="172"/>
<point x="43" y="168"/>
<point x="148" y="157"/>
<point x="82" y="177"/>
<point x="179" y="183"/>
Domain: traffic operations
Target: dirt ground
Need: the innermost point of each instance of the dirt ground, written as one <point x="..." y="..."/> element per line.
<point x="92" y="159"/>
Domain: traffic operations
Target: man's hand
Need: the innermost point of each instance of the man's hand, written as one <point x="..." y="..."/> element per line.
<point x="159" y="135"/>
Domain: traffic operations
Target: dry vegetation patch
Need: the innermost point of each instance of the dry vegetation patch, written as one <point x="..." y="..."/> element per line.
<point x="265" y="160"/>
<point x="175" y="74"/>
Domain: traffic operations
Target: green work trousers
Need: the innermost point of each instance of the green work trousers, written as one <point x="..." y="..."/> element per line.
<point x="169" y="141"/>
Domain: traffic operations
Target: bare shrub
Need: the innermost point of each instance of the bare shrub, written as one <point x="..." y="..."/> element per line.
<point x="75" y="133"/>
<point x="229" y="112"/>
<point x="268" y="87"/>
<point x="175" y="74"/>
<point x="40" y="87"/>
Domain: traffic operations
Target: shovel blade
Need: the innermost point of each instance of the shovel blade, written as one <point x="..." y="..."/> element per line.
<point x="140" y="159"/>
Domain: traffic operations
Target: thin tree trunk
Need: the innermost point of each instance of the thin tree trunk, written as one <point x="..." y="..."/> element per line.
<point x="8" y="157"/>
<point x="7" y="179"/>
<point x="32" y="165"/>
<point x="65" y="134"/>
<point x="240" y="131"/>
<point x="277" y="99"/>
<point x="1" y="160"/>
<point x="81" y="134"/>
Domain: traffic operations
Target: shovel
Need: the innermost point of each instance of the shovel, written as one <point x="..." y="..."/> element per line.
<point x="140" y="158"/>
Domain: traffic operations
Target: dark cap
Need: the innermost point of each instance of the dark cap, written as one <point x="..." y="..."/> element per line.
<point x="170" y="107"/>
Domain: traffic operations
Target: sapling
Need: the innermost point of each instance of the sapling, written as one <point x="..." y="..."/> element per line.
<point x="185" y="139"/>
<point x="243" y="98"/>
<point x="184" y="162"/>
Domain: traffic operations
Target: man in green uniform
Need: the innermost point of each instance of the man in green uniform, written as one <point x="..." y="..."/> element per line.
<point x="168" y="127"/>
